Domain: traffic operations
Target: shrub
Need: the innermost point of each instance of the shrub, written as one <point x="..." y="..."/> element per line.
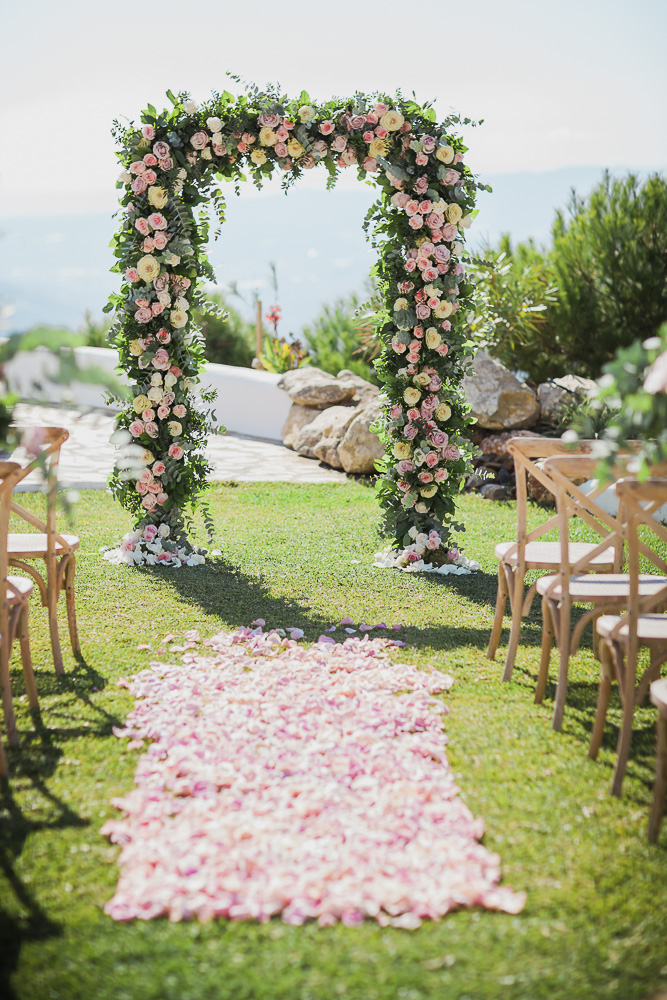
<point x="229" y="339"/>
<point x="342" y="336"/>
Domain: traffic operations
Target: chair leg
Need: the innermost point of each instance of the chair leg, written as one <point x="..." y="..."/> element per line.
<point x="52" y="609"/>
<point x="660" y="787"/>
<point x="4" y="767"/>
<point x="501" y="602"/>
<point x="5" y="683"/>
<point x="71" y="607"/>
<point x="516" y="602"/>
<point x="604" y="695"/>
<point x="26" y="659"/>
<point x="563" y="640"/>
<point x="547" y="637"/>
<point x="624" y="736"/>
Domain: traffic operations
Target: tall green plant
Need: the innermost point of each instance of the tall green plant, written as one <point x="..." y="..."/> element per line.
<point x="228" y="338"/>
<point x="341" y="338"/>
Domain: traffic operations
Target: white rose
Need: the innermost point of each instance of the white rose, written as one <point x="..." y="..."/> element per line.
<point x="190" y="107"/>
<point x="156" y="379"/>
<point x="169" y="380"/>
<point x="124" y="177"/>
<point x="466" y="221"/>
<point x="178" y="318"/>
<point x="457" y="248"/>
<point x="182" y="174"/>
<point x="155" y="393"/>
<point x="214" y="124"/>
<point x="163" y="531"/>
<point x="206" y="154"/>
<point x="182" y="303"/>
<point x="216" y="138"/>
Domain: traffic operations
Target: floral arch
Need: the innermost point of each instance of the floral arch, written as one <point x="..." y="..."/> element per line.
<point x="172" y="165"/>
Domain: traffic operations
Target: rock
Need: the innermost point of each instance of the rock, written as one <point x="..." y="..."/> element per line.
<point x="297" y="418"/>
<point x="360" y="448"/>
<point x="553" y="394"/>
<point x="364" y="391"/>
<point x="492" y="491"/>
<point x="310" y="386"/>
<point x="326" y="430"/>
<point x="497" y="443"/>
<point x="497" y="398"/>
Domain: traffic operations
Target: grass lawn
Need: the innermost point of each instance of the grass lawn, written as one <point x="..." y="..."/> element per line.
<point x="595" y="924"/>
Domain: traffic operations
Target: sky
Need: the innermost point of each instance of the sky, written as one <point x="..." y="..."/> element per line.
<point x="578" y="82"/>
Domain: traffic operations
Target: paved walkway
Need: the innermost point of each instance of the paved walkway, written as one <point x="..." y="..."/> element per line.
<point x="87" y="458"/>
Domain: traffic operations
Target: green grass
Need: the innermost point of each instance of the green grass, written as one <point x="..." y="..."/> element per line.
<point x="595" y="924"/>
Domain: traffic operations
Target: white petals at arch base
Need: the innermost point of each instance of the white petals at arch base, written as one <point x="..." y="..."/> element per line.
<point x="152" y="547"/>
<point x="411" y="558"/>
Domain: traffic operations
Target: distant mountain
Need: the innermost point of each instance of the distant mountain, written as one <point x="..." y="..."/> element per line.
<point x="53" y="269"/>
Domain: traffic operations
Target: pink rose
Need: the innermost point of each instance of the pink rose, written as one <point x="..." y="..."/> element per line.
<point x="136" y="428"/>
<point x="139" y="185"/>
<point x="148" y="414"/>
<point x="339" y="144"/>
<point x="163" y="335"/>
<point x="449" y="232"/>
<point x="282" y="134"/>
<point x="418" y="332"/>
<point x="356" y="122"/>
<point x="159" y="468"/>
<point x="199" y="140"/>
<point x="430" y="273"/>
<point x="160" y="240"/>
<point x="308" y="162"/>
<point x="396" y="411"/>
<point x="150" y="176"/>
<point x="149" y="501"/>
<point x="432" y="459"/>
<point x="350" y="158"/>
<point x="180" y="411"/>
<point x="157" y="308"/>
<point x="433" y="302"/>
<point x="320" y="148"/>
<point x="410" y="264"/>
<point x="428" y="143"/>
<point x="132" y="274"/>
<point x="150" y="533"/>
<point x="442" y="349"/>
<point x="442" y="254"/>
<point x="435" y="220"/>
<point x="175" y="370"/>
<point x="162" y="498"/>
<point x="269" y="121"/>
<point x="281" y="149"/>
<point x="326" y="128"/>
<point x="425" y="206"/>
<point x="413" y="413"/>
<point x="441" y="475"/>
<point x="141" y="225"/>
<point x="148" y="245"/>
<point x="176" y="452"/>
<point x="452" y="177"/>
<point x="370" y="164"/>
<point x="168" y="398"/>
<point x="410" y="432"/>
<point x="148" y="132"/>
<point x="154" y="487"/>
<point x="163" y="412"/>
<point x="150" y="160"/>
<point x="416" y="221"/>
<point x="430" y="403"/>
<point x="152" y="429"/>
<point x="161" y="150"/>
<point x="166" y="163"/>
<point x="372" y="118"/>
<point x="248" y="138"/>
<point x="422" y="310"/>
<point x="421" y="159"/>
<point x="138" y="167"/>
<point x="157" y="220"/>
<point x="143" y="315"/>
<point x="451" y="453"/>
<point x="420" y="185"/>
<point x="411" y="207"/>
<point x="380" y="109"/>
<point x="141" y="488"/>
<point x="398" y="347"/>
<point x="403" y="485"/>
<point x="425" y="477"/>
<point x="161" y="359"/>
<point x="404" y="466"/>
<point x="400" y="199"/>
<point x="161" y="282"/>
<point x="438" y="439"/>
<point x="368" y="136"/>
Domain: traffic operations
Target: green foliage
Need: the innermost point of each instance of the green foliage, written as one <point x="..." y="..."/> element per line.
<point x="282" y="355"/>
<point x="595" y="923"/>
<point x="340" y="338"/>
<point x="95" y="332"/>
<point x="634" y="385"/>
<point x="601" y="285"/>
<point x="228" y="338"/>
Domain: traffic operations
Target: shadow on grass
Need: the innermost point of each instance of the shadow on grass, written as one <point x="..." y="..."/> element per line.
<point x="31" y="923"/>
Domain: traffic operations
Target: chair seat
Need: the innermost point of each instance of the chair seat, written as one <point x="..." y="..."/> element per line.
<point x="32" y="545"/>
<point x="650" y="628"/>
<point x="658" y="692"/>
<point x="24" y="586"/>
<point x="543" y="555"/>
<point x="601" y="588"/>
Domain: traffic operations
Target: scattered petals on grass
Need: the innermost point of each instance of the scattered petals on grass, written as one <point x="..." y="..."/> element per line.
<point x="296" y="782"/>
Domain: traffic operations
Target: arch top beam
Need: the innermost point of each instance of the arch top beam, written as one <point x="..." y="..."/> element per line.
<point x="172" y="163"/>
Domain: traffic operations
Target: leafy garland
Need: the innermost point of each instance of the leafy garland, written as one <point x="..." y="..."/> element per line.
<point x="426" y="200"/>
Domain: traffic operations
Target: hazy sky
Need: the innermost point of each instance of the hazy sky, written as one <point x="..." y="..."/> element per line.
<point x="577" y="82"/>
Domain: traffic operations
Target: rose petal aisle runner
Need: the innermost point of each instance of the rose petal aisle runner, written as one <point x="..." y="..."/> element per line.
<point x="306" y="783"/>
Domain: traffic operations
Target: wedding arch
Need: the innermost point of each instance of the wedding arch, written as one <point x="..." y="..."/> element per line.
<point x="172" y="165"/>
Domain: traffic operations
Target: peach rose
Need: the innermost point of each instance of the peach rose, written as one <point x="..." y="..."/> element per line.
<point x="176" y="452"/>
<point x="159" y="468"/>
<point x="199" y="140"/>
<point x="136" y="428"/>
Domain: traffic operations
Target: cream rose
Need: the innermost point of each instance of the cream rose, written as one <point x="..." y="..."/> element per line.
<point x="445" y="154"/>
<point x="443" y="310"/>
<point x="294" y="148"/>
<point x="140" y="404"/>
<point x="157" y="196"/>
<point x="423" y="379"/>
<point x="148" y="268"/>
<point x="392" y="120"/>
<point x="432" y="338"/>
<point x="412" y="396"/>
<point x="443" y="412"/>
<point x="306" y="113"/>
<point x="267" y="136"/>
<point x="174" y="428"/>
<point x="401" y="450"/>
<point x="178" y="318"/>
<point x="258" y="157"/>
<point x="136" y="350"/>
<point x="155" y="394"/>
<point x="378" y="147"/>
<point x="170" y="380"/>
<point x="453" y="213"/>
<point x="400" y="304"/>
<point x="214" y="124"/>
<point x="428" y="491"/>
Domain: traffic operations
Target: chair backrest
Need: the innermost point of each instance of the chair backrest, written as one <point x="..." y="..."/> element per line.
<point x="44" y="443"/>
<point x="525" y="452"/>
<point x="639" y="503"/>
<point x="11" y="473"/>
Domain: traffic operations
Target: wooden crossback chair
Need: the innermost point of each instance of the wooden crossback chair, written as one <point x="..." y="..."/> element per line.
<point x="530" y="551"/>
<point x="658" y="693"/>
<point x="47" y="545"/>
<point x="620" y="637"/>
<point x="574" y="582"/>
<point x="14" y="614"/>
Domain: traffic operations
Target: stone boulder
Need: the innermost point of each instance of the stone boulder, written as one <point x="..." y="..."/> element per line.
<point x="310" y="386"/>
<point x="297" y="418"/>
<point x="364" y="391"/>
<point x="320" y="437"/>
<point x="360" y="448"/>
<point x="499" y="401"/>
<point x="551" y="395"/>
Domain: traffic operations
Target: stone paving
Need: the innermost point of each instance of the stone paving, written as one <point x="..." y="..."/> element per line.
<point x="87" y="457"/>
